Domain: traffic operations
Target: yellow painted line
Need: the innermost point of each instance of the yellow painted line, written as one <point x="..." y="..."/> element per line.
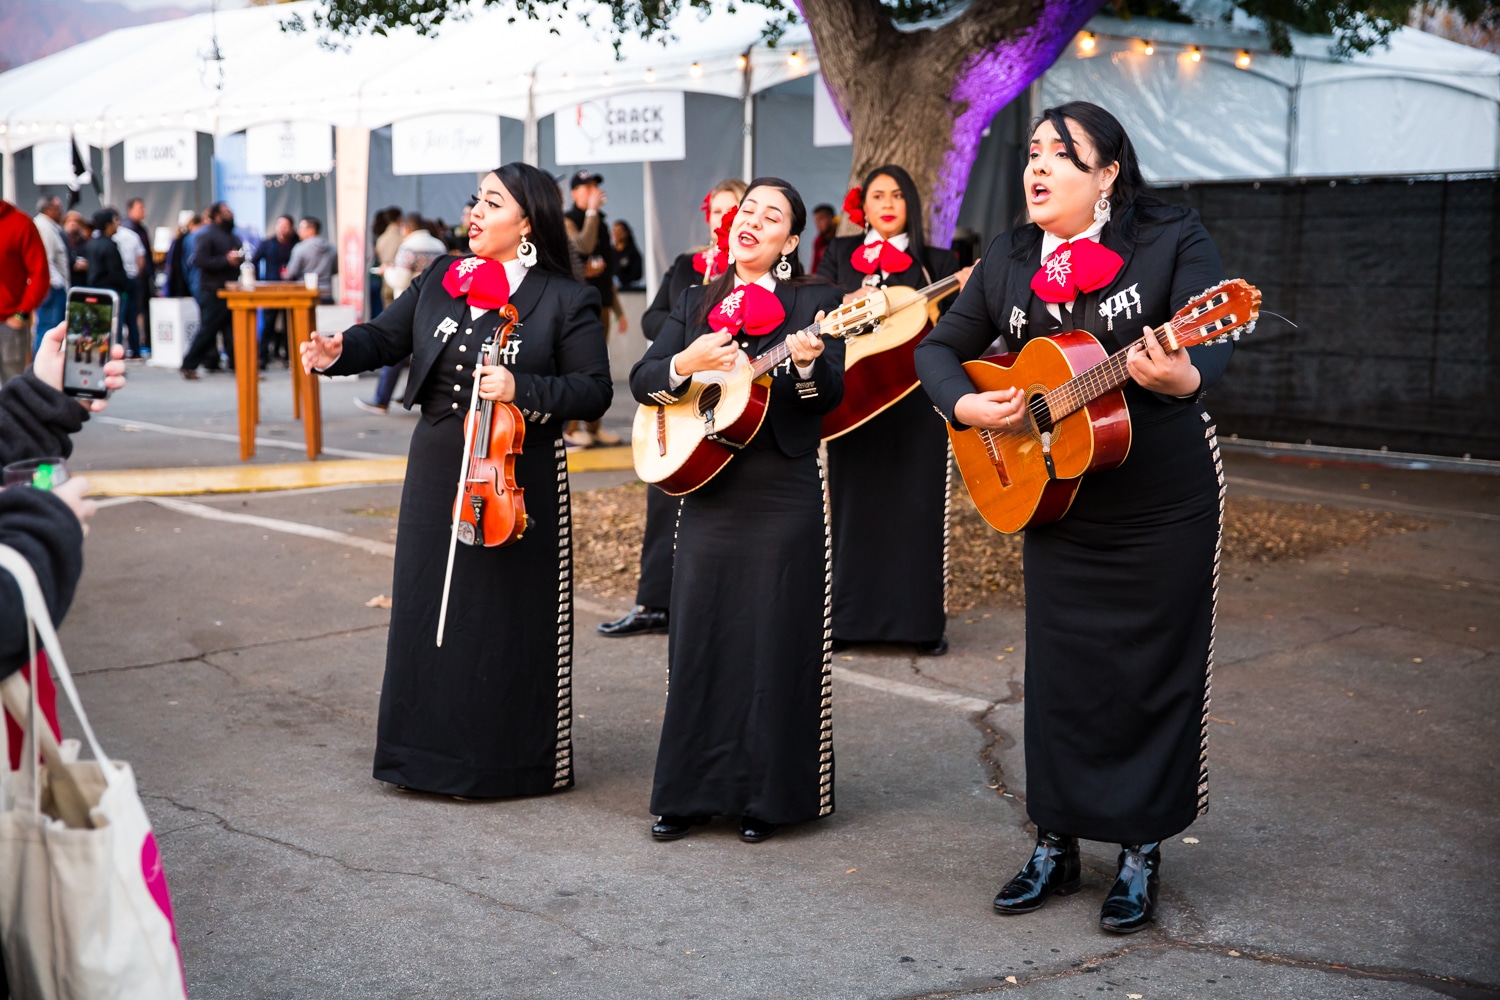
<point x="296" y="475"/>
<point x="601" y="459"/>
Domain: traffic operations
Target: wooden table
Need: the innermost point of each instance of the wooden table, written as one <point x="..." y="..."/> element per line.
<point x="299" y="301"/>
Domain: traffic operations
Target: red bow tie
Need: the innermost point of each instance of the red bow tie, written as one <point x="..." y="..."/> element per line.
<point x="880" y="256"/>
<point x="482" y="280"/>
<point x="750" y="308"/>
<point x="1080" y="266"/>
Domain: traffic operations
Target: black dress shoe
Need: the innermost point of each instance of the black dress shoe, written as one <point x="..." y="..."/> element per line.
<point x="937" y="648"/>
<point x="1131" y="903"/>
<point x="1054" y="869"/>
<point x="675" y="827"/>
<point x="640" y="621"/>
<point x="753" y="831"/>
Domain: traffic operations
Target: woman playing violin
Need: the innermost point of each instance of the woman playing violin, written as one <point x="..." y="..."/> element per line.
<point x="489" y="713"/>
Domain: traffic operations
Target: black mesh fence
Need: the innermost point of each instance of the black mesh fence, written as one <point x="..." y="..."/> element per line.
<point x="1394" y="285"/>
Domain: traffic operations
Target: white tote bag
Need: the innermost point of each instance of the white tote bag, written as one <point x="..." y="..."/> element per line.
<point x="84" y="909"/>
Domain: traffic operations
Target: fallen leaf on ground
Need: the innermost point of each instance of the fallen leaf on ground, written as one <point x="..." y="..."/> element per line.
<point x="1189" y="840"/>
<point x="851" y="871"/>
<point x="1010" y="979"/>
<point x="1225" y="722"/>
<point x="378" y="601"/>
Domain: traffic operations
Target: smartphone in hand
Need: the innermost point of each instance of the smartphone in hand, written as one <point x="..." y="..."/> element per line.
<point x="93" y="329"/>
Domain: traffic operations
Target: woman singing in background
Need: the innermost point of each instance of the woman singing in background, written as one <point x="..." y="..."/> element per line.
<point x="1121" y="591"/>
<point x="892" y="469"/>
<point x="748" y="731"/>
<point x="489" y="713"/>
<point x="654" y="591"/>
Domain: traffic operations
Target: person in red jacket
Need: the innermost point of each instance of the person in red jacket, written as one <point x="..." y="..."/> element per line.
<point x="24" y="273"/>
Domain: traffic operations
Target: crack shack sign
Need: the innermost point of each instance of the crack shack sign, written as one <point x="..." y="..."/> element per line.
<point x="629" y="128"/>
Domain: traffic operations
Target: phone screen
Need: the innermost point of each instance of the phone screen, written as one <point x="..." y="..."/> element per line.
<point x="91" y="328"/>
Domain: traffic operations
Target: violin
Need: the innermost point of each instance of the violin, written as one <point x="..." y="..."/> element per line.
<point x="490" y="509"/>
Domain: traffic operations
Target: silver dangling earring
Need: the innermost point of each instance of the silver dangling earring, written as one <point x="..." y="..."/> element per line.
<point x="729" y="257"/>
<point x="1101" y="210"/>
<point x="783" y="269"/>
<point x="526" y="252"/>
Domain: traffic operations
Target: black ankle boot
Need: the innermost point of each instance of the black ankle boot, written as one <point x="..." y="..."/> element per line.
<point x="1053" y="869"/>
<point x="1131" y="903"/>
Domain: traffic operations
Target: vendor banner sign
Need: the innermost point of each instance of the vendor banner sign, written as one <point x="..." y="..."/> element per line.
<point x="289" y="148"/>
<point x="631" y="128"/>
<point x="445" y="144"/>
<point x="169" y="155"/>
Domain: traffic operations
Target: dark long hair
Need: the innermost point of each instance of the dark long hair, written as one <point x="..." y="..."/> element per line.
<point x="1131" y="203"/>
<point x="724" y="283"/>
<point x="916" y="245"/>
<point x="536" y="195"/>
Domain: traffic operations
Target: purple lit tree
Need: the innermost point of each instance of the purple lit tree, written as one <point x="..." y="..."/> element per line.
<point x="917" y="81"/>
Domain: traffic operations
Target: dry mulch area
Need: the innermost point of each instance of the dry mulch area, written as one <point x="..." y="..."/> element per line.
<point x="984" y="565"/>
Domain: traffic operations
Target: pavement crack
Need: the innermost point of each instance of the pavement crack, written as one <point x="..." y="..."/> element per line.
<point x="192" y="657"/>
<point x="593" y="944"/>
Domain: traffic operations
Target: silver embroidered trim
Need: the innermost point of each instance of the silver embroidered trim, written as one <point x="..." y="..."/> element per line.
<point x="947" y="523"/>
<point x="1210" y="434"/>
<point x="825" y="722"/>
<point x="563" y="772"/>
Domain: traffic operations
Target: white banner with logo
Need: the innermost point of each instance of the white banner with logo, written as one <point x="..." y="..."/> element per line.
<point x="289" y="148"/>
<point x="445" y="144"/>
<point x="52" y="162"/>
<point x="631" y="128"/>
<point x="169" y="155"/>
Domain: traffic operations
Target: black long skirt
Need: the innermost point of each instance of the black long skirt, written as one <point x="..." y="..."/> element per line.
<point x="1120" y="602"/>
<point x="490" y="713"/>
<point x="749" y="724"/>
<point x="888" y="489"/>
<point x="655" y="587"/>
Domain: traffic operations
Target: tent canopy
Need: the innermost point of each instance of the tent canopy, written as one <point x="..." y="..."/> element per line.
<point x="1237" y="112"/>
<point x="483" y="63"/>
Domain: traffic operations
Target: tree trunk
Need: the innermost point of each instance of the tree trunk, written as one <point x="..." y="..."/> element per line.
<point x="922" y="99"/>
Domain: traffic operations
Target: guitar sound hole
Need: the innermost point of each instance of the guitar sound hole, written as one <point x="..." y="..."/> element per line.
<point x="709" y="398"/>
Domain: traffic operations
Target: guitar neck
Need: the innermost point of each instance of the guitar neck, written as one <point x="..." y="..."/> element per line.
<point x="777" y="354"/>
<point x="1107" y="376"/>
<point x="938" y="288"/>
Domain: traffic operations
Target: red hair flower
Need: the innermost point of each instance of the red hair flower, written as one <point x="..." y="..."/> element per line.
<point x="721" y="235"/>
<point x="854" y="206"/>
<point x="708" y="201"/>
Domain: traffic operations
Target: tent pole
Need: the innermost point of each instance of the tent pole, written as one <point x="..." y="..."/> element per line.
<point x="648" y="208"/>
<point x="8" y="189"/>
<point x="747" y="163"/>
<point x="532" y="153"/>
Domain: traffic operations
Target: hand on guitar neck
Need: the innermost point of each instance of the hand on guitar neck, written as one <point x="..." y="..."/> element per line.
<point x="716" y="351"/>
<point x="1150" y="364"/>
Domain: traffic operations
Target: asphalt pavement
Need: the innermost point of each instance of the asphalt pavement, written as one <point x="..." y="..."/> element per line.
<point x="225" y="647"/>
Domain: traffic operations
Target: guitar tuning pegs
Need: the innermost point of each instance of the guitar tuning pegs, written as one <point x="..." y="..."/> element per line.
<point x="1235" y="335"/>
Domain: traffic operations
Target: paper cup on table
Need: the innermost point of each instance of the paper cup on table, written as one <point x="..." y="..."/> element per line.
<point x="310" y="281"/>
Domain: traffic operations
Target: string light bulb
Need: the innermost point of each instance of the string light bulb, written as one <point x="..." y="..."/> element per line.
<point x="1148" y="48"/>
<point x="741" y="61"/>
<point x="795" y="60"/>
<point x="650" y="76"/>
<point x="1087" y="42"/>
<point x="695" y="70"/>
<point x="1195" y="53"/>
<point x="1243" y="59"/>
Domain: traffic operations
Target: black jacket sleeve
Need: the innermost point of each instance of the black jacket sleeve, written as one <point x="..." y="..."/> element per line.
<point x="1198" y="268"/>
<point x="386" y="339"/>
<point x="44" y="530"/>
<point x="36" y="420"/>
<point x="964" y="331"/>
<point x="651" y="378"/>
<point x="211" y="252"/>
<point x="582" y="388"/>
<point x="661" y="305"/>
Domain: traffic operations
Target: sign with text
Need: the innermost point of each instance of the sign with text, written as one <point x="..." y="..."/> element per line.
<point x="445" y="144"/>
<point x="52" y="162"/>
<point x="351" y="190"/>
<point x="169" y="155"/>
<point x="289" y="148"/>
<point x="631" y="128"/>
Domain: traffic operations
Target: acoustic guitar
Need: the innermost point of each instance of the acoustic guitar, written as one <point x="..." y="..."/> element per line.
<point x="878" y="367"/>
<point x="682" y="445"/>
<point x="1075" y="420"/>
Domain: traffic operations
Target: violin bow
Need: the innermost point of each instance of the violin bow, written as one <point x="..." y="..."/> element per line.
<point x="463" y="478"/>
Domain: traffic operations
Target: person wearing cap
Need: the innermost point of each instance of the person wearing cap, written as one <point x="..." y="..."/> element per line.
<point x="588" y="233"/>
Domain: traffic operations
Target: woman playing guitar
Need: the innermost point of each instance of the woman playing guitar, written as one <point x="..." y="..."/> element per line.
<point x="748" y="729"/>
<point x="1121" y="591"/>
<point x="892" y="469"/>
<point x="488" y="714"/>
<point x="699" y="267"/>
